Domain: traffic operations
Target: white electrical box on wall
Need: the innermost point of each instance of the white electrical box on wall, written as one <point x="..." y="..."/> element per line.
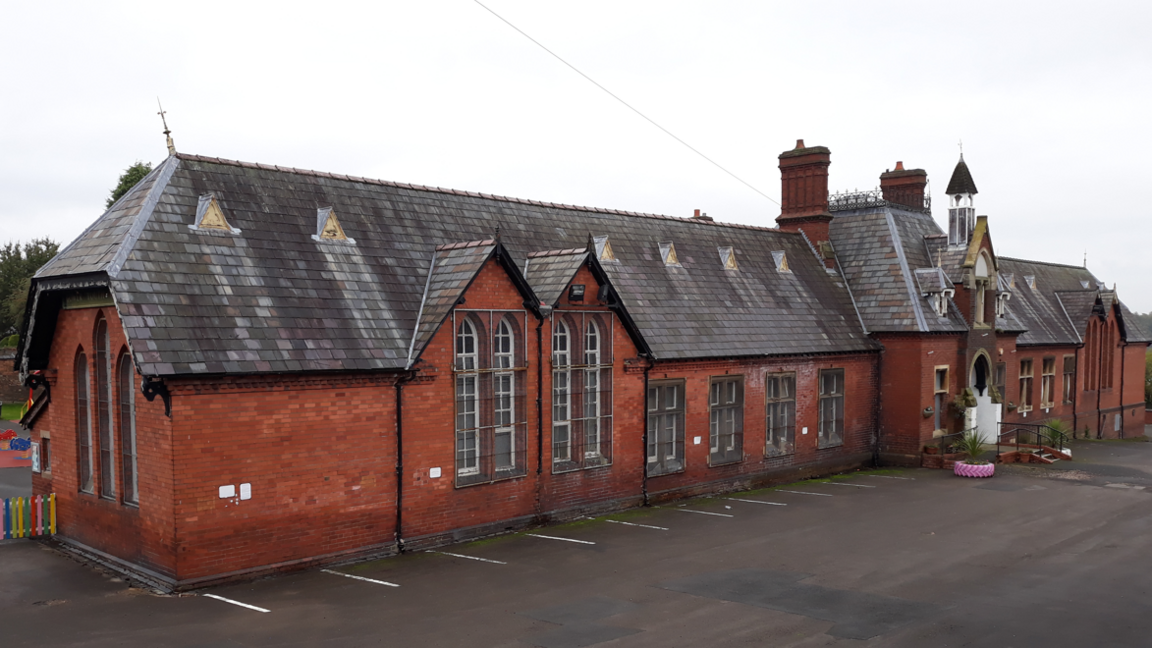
<point x="227" y="491"/>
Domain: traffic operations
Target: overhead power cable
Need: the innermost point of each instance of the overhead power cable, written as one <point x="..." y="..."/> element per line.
<point x="625" y="103"/>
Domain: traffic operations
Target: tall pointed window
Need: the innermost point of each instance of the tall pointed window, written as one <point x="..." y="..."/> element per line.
<point x="561" y="395"/>
<point x="491" y="417"/>
<point x="504" y="398"/>
<point x="127" y="393"/>
<point x="467" y="422"/>
<point x="104" y="410"/>
<point x="581" y="390"/>
<point x="592" y="391"/>
<point x="83" y="422"/>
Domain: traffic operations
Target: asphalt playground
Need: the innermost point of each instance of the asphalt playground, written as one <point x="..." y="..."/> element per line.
<point x="1036" y="556"/>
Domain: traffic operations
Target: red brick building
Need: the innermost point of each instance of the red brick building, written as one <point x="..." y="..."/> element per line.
<point x="246" y="368"/>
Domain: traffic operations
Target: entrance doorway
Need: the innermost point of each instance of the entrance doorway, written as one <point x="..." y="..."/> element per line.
<point x="985" y="417"/>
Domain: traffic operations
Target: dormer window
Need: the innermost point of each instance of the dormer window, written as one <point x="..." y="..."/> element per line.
<point x="940" y="302"/>
<point x="603" y="249"/>
<point x="668" y="254"/>
<point x="1030" y="281"/>
<point x="209" y="216"/>
<point x="1002" y="303"/>
<point x="781" y="260"/>
<point x="728" y="258"/>
<point x="328" y="227"/>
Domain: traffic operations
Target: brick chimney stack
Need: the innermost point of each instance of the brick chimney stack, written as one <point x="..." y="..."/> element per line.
<point x="804" y="193"/>
<point x="904" y="186"/>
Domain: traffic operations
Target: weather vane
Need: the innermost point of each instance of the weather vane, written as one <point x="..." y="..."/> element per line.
<point x="167" y="133"/>
<point x="961" y="144"/>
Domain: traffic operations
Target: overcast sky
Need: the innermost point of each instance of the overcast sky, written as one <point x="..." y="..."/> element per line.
<point x="1050" y="99"/>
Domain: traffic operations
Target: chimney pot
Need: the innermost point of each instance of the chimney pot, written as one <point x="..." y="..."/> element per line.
<point x="799" y="143"/>
<point x="696" y="214"/>
<point x="899" y="166"/>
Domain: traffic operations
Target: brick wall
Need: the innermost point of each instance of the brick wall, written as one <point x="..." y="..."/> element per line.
<point x="318" y="451"/>
<point x="860" y="377"/>
<point x="142" y="534"/>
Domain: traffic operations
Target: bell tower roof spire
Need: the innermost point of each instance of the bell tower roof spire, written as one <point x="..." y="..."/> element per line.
<point x="961" y="182"/>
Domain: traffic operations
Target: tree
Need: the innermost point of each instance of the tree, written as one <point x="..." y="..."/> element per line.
<point x="17" y="265"/>
<point x="128" y="179"/>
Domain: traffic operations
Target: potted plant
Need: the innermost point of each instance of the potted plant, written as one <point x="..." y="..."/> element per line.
<point x="972" y="444"/>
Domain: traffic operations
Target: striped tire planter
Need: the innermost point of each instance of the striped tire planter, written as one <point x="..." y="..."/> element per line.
<point x="973" y="470"/>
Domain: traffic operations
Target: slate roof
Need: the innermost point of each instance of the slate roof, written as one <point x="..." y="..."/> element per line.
<point x="1054" y="312"/>
<point x="271" y="298"/>
<point x="880" y="250"/>
<point x="1133" y="332"/>
<point x="961" y="181"/>
<point x="452" y="271"/>
<point x="549" y="273"/>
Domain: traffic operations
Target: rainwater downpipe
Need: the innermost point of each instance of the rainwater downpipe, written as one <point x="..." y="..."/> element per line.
<point x="1076" y="395"/>
<point x="1099" y="383"/>
<point x="1123" y="348"/>
<point x="399" y="532"/>
<point x="644" y="436"/>
<point x="539" y="400"/>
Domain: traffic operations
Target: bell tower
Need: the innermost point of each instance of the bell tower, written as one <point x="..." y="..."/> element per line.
<point x="961" y="210"/>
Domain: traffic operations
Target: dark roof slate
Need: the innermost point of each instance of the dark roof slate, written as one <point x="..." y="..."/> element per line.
<point x="453" y="270"/>
<point x="273" y="299"/>
<point x="1043" y="311"/>
<point x="961" y="181"/>
<point x="881" y="251"/>
<point x="549" y="273"/>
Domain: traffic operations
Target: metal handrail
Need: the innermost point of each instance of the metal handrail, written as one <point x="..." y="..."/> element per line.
<point x="1040" y="431"/>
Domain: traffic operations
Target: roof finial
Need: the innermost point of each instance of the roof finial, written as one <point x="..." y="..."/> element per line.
<point x="961" y="144"/>
<point x="167" y="133"/>
<point x="1085" y="257"/>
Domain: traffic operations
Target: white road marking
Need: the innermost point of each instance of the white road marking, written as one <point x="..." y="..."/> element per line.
<point x="537" y="535"/>
<point x="804" y="493"/>
<point x="359" y="578"/>
<point x="737" y="499"/>
<point x="853" y="485"/>
<point x="892" y="477"/>
<point x="244" y="605"/>
<point x="456" y="555"/>
<point x="646" y="526"/>
<point x="688" y="510"/>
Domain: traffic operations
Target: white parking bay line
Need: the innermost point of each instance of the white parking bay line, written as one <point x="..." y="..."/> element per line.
<point x="688" y="510"/>
<point x="892" y="477"/>
<point x="456" y="555"/>
<point x="359" y="578"/>
<point x="645" y="526"/>
<point x="243" y="605"/>
<point x="737" y="499"/>
<point x="852" y="485"/>
<point x="804" y="493"/>
<point x="537" y="535"/>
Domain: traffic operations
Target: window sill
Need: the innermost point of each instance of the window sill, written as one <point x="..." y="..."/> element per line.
<point x="771" y="452"/>
<point x="665" y="473"/>
<point x="466" y="481"/>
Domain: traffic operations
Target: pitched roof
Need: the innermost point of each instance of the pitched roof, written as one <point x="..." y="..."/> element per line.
<point x="880" y="250"/>
<point x="1044" y="310"/>
<point x="271" y="298"/>
<point x="961" y="181"/>
<point x="549" y="273"/>
<point x="453" y="268"/>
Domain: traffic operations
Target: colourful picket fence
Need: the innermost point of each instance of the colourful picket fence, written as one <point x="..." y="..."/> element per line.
<point x="28" y="517"/>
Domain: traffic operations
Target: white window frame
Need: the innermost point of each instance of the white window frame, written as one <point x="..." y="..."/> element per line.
<point x="561" y="392"/>
<point x="467" y="400"/>
<point x="828" y="436"/>
<point x="591" y="390"/>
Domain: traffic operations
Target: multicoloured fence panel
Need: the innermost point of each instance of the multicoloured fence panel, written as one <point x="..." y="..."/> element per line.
<point x="29" y="517"/>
